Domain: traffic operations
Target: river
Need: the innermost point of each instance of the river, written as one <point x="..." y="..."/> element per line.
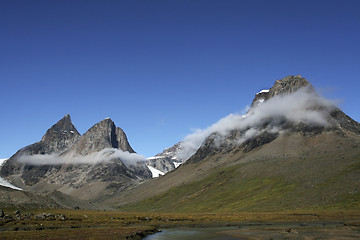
<point x="306" y="230"/>
<point x="193" y="233"/>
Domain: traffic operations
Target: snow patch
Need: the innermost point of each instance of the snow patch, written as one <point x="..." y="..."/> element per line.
<point x="155" y="157"/>
<point x="5" y="183"/>
<point x="2" y="161"/>
<point x="155" y="172"/>
<point x="177" y="164"/>
<point x="264" y="91"/>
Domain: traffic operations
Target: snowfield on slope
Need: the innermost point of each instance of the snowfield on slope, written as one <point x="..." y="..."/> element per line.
<point x="5" y="183"/>
<point x="155" y="172"/>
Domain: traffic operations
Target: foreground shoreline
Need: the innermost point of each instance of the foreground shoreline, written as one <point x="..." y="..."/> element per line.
<point x="90" y="224"/>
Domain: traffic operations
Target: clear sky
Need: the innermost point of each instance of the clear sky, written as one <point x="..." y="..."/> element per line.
<point x="159" y="69"/>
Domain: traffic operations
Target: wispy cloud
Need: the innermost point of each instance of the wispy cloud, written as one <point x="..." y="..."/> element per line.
<point x="104" y="155"/>
<point x="302" y="106"/>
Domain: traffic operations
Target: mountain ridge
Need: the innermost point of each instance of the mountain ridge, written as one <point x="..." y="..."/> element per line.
<point x="286" y="162"/>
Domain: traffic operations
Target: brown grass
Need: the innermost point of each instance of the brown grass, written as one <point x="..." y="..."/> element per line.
<point x="86" y="224"/>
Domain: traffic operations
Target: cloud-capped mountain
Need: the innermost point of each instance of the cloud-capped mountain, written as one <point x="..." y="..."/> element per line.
<point x="292" y="104"/>
<point x="86" y="166"/>
<point x="292" y="149"/>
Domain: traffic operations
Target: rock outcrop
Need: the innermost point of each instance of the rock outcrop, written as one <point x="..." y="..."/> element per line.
<point x="100" y="136"/>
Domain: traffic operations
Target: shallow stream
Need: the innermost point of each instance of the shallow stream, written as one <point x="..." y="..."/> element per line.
<point x="310" y="230"/>
<point x="192" y="233"/>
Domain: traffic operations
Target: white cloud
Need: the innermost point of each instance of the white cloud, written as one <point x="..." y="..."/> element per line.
<point x="104" y="155"/>
<point x="302" y="106"/>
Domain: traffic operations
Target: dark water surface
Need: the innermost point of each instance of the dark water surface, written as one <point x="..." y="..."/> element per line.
<point x="193" y="233"/>
<point x="312" y="230"/>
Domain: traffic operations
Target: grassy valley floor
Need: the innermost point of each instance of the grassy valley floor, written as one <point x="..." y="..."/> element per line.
<point x="86" y="224"/>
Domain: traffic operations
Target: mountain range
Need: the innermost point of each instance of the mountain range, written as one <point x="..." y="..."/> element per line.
<point x="292" y="149"/>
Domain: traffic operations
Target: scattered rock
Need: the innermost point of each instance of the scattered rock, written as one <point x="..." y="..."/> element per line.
<point x="49" y="216"/>
<point x="8" y="217"/>
<point x="61" y="217"/>
<point x="291" y="230"/>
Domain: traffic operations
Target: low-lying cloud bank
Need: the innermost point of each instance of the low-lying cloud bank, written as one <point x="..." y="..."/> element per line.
<point x="104" y="155"/>
<point x="302" y="106"/>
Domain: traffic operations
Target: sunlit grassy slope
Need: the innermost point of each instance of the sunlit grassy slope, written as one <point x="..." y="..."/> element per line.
<point x="316" y="173"/>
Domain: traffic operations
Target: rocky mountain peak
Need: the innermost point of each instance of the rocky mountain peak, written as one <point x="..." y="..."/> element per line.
<point x="285" y="85"/>
<point x="102" y="135"/>
<point x="60" y="130"/>
<point x="288" y="85"/>
<point x="58" y="138"/>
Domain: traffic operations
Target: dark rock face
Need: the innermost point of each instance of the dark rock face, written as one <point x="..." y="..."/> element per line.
<point x="258" y="141"/>
<point x="340" y="119"/>
<point x="122" y="141"/>
<point x="61" y="135"/>
<point x="207" y="149"/>
<point x="100" y="136"/>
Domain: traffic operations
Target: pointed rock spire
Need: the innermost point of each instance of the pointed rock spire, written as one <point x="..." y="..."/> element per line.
<point x="102" y="135"/>
<point x="63" y="127"/>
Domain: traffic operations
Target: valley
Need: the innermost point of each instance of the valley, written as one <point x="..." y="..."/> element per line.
<point x="291" y="162"/>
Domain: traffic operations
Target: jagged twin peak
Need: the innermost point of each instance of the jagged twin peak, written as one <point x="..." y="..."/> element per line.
<point x="103" y="145"/>
<point x="63" y="139"/>
<point x="100" y="136"/>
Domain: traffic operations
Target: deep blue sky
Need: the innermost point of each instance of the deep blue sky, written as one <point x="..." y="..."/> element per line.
<point x="162" y="68"/>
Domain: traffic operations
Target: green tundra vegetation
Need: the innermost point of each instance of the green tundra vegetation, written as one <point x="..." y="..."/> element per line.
<point x="90" y="224"/>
